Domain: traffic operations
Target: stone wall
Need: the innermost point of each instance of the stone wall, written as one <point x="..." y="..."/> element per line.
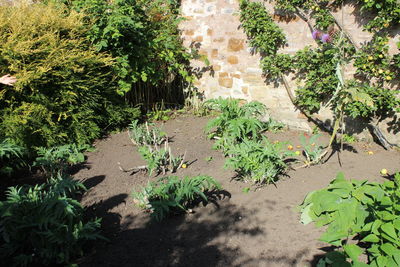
<point x="214" y="27"/>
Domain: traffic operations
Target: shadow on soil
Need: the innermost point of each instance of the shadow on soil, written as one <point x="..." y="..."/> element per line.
<point x="199" y="239"/>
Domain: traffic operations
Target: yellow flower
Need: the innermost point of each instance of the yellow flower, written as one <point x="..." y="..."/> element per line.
<point x="384" y="172"/>
<point x="184" y="166"/>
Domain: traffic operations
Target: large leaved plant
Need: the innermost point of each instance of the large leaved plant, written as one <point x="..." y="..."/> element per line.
<point x="361" y="217"/>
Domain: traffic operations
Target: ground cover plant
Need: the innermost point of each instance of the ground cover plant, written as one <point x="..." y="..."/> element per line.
<point x="11" y="157"/>
<point x="57" y="159"/>
<point x="362" y="218"/>
<point x="172" y="194"/>
<point x="44" y="224"/>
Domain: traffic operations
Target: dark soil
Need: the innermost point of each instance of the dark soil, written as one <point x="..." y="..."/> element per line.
<point x="258" y="228"/>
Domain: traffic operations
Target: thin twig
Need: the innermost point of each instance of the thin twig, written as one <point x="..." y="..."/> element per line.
<point x="134" y="169"/>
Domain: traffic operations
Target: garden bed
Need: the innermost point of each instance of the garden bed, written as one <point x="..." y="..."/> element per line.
<point x="256" y="228"/>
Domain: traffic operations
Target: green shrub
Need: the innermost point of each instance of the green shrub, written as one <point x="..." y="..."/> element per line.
<point x="361" y="217"/>
<point x="44" y="224"/>
<point x="171" y="194"/>
<point x="57" y="159"/>
<point x="65" y="91"/>
<point x="243" y="121"/>
<point x="144" y="38"/>
<point x="260" y="162"/>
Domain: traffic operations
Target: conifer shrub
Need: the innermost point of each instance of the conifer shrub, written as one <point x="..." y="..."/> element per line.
<point x="66" y="90"/>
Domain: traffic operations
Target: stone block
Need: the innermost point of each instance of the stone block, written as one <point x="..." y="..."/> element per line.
<point x="198" y="38"/>
<point x="209" y="32"/>
<point x="233" y="60"/>
<point x="219" y="40"/>
<point x="216" y="67"/>
<point x="225" y="82"/>
<point x="214" y="53"/>
<point x="188" y="32"/>
<point x="235" y="45"/>
<point x="237" y="76"/>
<point x="223" y="74"/>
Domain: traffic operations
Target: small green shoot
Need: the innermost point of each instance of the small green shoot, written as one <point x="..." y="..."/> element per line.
<point x="208" y="159"/>
<point x="312" y="150"/>
<point x="246" y="190"/>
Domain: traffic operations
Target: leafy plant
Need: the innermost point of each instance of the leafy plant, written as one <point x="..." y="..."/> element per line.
<point x="349" y="138"/>
<point x="57" y="159"/>
<point x="145" y="134"/>
<point x="65" y="89"/>
<point x="361" y="217"/>
<point x="260" y="162"/>
<point x="160" y="160"/>
<point x="144" y="38"/>
<point x="235" y="122"/>
<point x="43" y="224"/>
<point x="10" y="157"/>
<point x="172" y="194"/>
<point x="312" y="150"/>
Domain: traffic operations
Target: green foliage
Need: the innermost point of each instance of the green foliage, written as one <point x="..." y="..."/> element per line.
<point x="387" y="13"/>
<point x="260" y="162"/>
<point x="366" y="101"/>
<point x="312" y="150"/>
<point x="373" y="60"/>
<point x="265" y="36"/>
<point x="237" y="122"/>
<point x="57" y="159"/>
<point x="142" y="35"/>
<point x="365" y="211"/>
<point x="145" y="134"/>
<point x="65" y="91"/>
<point x="44" y="224"/>
<point x="349" y="138"/>
<point x="316" y="69"/>
<point x="160" y="160"/>
<point x="10" y="157"/>
<point x="172" y="194"/>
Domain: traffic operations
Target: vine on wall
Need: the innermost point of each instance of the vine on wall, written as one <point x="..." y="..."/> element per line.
<point x="368" y="96"/>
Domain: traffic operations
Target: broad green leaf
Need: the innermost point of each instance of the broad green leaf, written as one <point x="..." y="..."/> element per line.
<point x="305" y="217"/>
<point x="388" y="228"/>
<point x="389" y="249"/>
<point x="372" y="238"/>
<point x="353" y="251"/>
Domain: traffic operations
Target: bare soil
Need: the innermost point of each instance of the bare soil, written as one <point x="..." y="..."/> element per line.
<point x="258" y="228"/>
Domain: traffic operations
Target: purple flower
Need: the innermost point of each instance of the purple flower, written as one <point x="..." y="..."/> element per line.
<point x="315" y="34"/>
<point x="326" y="38"/>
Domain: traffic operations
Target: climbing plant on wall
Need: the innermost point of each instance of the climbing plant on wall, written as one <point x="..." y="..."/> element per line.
<point x="368" y="96"/>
